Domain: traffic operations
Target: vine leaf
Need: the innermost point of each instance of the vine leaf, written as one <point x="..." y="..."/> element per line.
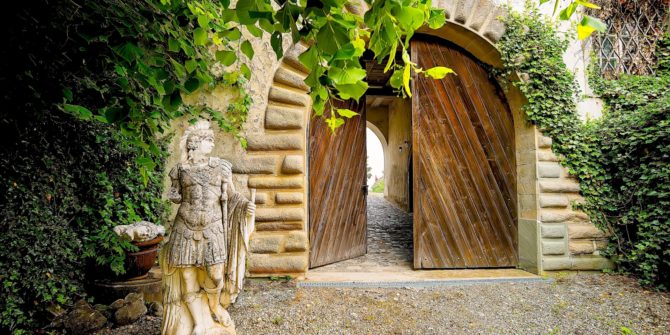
<point x="225" y="57"/>
<point x="348" y="113"/>
<point x="438" y="72"/>
<point x="588" y="25"/>
<point x="247" y="49"/>
<point x="276" y="42"/>
<point x="200" y="36"/>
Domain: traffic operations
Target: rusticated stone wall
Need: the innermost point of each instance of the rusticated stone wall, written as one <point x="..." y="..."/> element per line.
<point x="552" y="236"/>
<point x="569" y="240"/>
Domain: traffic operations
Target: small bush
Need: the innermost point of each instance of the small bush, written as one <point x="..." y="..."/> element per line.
<point x="378" y="186"/>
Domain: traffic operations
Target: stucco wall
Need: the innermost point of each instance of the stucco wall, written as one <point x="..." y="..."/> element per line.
<point x="398" y="153"/>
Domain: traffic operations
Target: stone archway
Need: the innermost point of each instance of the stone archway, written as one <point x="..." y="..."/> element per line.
<point x="552" y="236"/>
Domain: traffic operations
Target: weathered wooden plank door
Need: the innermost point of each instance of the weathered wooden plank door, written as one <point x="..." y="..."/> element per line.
<point x="337" y="203"/>
<point x="465" y="207"/>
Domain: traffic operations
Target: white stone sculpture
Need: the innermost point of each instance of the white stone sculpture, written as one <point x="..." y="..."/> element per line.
<point x="139" y="231"/>
<point x="203" y="258"/>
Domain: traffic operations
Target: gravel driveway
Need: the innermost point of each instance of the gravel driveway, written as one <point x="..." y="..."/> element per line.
<point x="582" y="304"/>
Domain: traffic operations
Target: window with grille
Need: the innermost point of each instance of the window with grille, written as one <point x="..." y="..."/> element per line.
<point x="633" y="28"/>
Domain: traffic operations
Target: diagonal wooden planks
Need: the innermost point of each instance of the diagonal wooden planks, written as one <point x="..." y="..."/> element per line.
<point x="337" y="203"/>
<point x="464" y="165"/>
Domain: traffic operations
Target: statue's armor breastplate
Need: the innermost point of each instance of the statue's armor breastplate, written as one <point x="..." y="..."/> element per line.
<point x="201" y="194"/>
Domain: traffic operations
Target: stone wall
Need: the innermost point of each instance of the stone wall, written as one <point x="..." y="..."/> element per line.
<point x="397" y="159"/>
<point x="552" y="236"/>
<point x="569" y="241"/>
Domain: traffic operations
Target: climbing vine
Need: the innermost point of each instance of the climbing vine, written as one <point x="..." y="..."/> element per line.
<point x="620" y="160"/>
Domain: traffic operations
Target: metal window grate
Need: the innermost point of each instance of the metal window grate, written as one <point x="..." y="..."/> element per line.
<point x="633" y="28"/>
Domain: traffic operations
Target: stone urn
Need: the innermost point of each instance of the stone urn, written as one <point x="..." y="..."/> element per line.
<point x="139" y="263"/>
<point x="146" y="236"/>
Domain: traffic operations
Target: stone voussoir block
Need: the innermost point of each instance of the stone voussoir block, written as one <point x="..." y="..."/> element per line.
<point x="463" y="10"/>
<point x="554" y="201"/>
<point x="279" y="214"/>
<point x="479" y="16"/>
<point x="553" y="231"/>
<point x="261" y="198"/>
<point x="284" y="118"/>
<point x="556" y="263"/>
<point x="590" y="263"/>
<point x="265" y="243"/>
<point x="549" y="170"/>
<point x="559" y="186"/>
<point x="584" y="231"/>
<point x="581" y="247"/>
<point x="293" y="164"/>
<point x="546" y="156"/>
<point x="292" y="55"/>
<point x="544" y="142"/>
<point x="288" y="95"/>
<point x="553" y="247"/>
<point x="287" y="198"/>
<point x="279" y="226"/>
<point x="256" y="165"/>
<point x="556" y="216"/>
<point x="280" y="263"/>
<point x="276" y="182"/>
<point x="288" y="76"/>
<point x="272" y="142"/>
<point x="296" y="241"/>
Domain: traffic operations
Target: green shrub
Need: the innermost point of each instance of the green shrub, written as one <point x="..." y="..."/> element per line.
<point x="622" y="160"/>
<point x="378" y="186"/>
<point x="64" y="182"/>
<point x="635" y="140"/>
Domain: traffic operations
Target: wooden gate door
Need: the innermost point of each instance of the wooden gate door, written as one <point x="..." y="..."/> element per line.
<point x="337" y="218"/>
<point x="464" y="164"/>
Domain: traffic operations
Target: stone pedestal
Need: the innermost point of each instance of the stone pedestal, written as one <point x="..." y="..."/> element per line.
<point x="107" y="291"/>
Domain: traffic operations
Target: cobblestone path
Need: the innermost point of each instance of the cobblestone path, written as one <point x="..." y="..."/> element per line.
<point x="389" y="240"/>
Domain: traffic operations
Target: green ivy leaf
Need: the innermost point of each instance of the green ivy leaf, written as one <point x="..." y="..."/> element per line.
<point x="78" y="111"/>
<point x="191" y="65"/>
<point x="276" y="42"/>
<point x="246" y="71"/>
<point x="200" y="36"/>
<point x="203" y="21"/>
<point x="192" y="84"/>
<point x="226" y="57"/>
<point x="247" y="49"/>
<point x="254" y="31"/>
<point x="173" y="45"/>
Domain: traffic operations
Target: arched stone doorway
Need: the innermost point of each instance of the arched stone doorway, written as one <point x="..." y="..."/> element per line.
<point x="474" y="26"/>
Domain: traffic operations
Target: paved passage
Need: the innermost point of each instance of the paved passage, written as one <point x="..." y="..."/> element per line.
<point x="389" y="240"/>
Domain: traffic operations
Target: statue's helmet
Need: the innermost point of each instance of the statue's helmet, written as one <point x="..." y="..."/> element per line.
<point x="196" y="133"/>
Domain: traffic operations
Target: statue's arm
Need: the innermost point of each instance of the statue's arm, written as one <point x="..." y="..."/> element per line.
<point x="251" y="207"/>
<point x="175" y="190"/>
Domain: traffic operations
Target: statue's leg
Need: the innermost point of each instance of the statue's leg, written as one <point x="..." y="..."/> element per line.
<point x="190" y="297"/>
<point x="213" y="287"/>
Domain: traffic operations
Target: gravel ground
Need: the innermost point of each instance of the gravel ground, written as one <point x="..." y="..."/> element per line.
<point x="581" y="304"/>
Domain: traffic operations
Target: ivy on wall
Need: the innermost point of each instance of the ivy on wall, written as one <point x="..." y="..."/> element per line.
<point x="620" y="160"/>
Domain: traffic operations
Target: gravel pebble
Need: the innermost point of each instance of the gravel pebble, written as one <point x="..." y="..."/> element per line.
<point x="580" y="304"/>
